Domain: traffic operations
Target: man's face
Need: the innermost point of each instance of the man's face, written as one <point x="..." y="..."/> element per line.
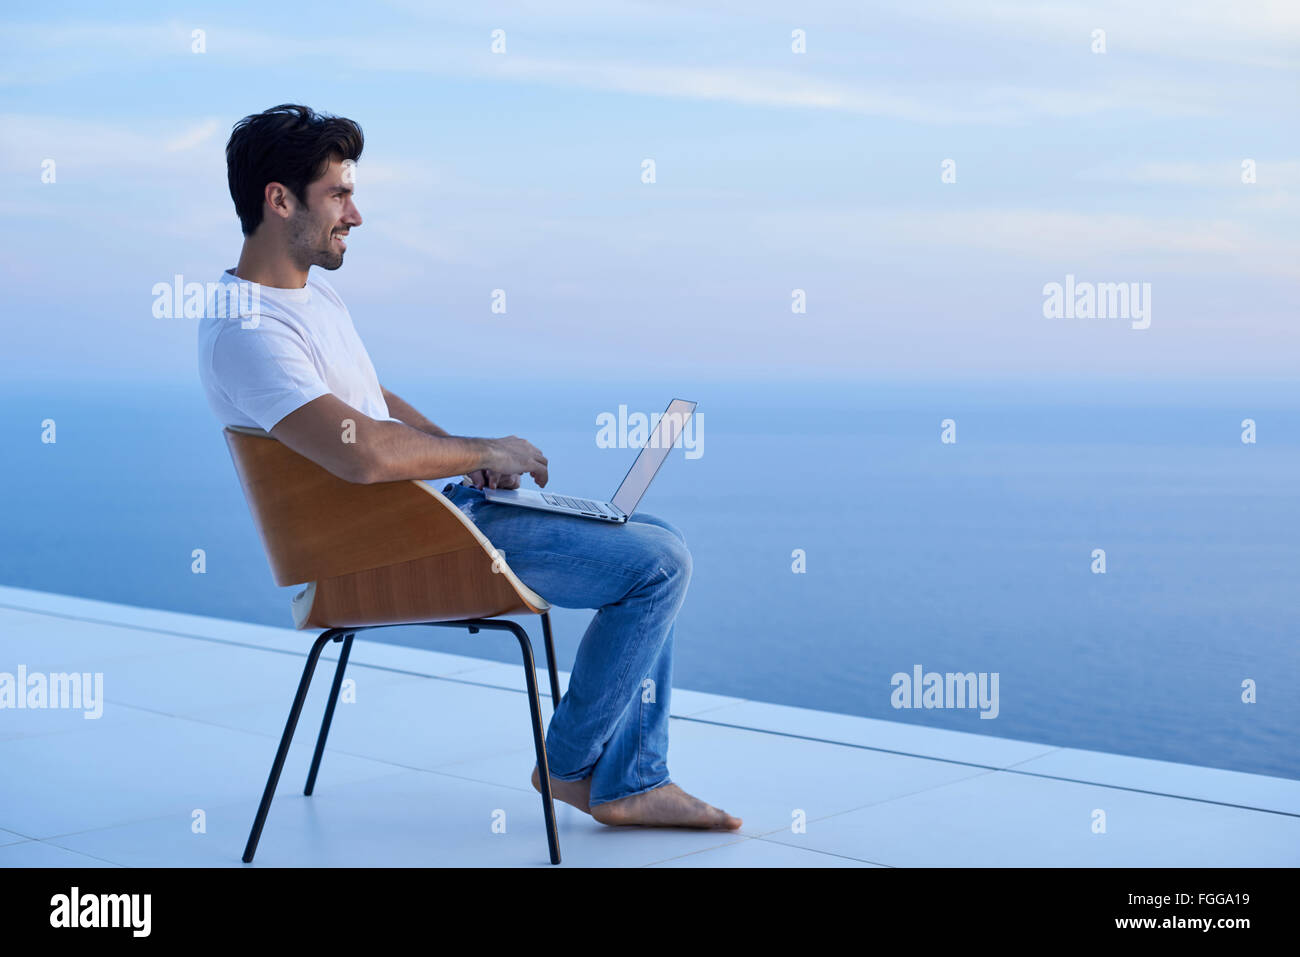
<point x="316" y="233"/>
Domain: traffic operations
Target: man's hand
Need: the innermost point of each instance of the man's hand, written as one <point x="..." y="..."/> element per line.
<point x="513" y="456"/>
<point x="487" y="478"/>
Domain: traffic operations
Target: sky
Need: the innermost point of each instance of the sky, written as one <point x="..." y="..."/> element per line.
<point x="775" y="171"/>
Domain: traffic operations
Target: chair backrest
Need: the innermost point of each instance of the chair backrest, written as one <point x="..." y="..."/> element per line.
<point x="316" y="526"/>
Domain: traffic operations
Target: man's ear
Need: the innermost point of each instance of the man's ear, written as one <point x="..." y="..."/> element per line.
<point x="279" y="199"/>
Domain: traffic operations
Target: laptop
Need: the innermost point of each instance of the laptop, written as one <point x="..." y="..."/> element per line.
<point x="660" y="442"/>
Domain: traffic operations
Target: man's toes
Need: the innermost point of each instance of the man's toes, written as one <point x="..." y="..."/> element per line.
<point x="720" y="818"/>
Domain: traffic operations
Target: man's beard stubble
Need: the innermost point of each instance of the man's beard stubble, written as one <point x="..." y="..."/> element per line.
<point x="301" y="244"/>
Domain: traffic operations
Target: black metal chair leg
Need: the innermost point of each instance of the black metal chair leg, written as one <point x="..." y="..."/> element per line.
<point x="534" y="706"/>
<point x="329" y="713"/>
<point x="251" y="848"/>
<point x="550" y="660"/>
<point x="539" y="739"/>
<point x="346" y="635"/>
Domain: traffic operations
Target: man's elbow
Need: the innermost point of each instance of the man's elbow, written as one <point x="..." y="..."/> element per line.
<point x="361" y="468"/>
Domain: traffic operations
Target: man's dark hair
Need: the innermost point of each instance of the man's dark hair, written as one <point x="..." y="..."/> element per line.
<point x="286" y="144"/>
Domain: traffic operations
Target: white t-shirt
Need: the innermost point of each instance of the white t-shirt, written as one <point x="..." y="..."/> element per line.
<point x="282" y="349"/>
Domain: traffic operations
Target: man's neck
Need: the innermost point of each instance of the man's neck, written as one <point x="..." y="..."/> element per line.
<point x="261" y="263"/>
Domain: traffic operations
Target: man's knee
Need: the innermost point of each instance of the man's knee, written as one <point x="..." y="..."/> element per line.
<point x="649" y="519"/>
<point x="675" y="558"/>
<point x="662" y="561"/>
<point x="663" y="557"/>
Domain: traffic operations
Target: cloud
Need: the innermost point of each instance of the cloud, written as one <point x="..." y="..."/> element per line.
<point x="193" y="137"/>
<point x="745" y="70"/>
<point x="1184" y="244"/>
<point x="1256" y="33"/>
<point x="154" y="147"/>
<point x="1224" y="173"/>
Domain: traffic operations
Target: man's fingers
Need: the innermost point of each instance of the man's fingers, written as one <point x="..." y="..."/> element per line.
<point x="506" y="480"/>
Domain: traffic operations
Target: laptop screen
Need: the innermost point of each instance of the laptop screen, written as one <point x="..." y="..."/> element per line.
<point x="660" y="442"/>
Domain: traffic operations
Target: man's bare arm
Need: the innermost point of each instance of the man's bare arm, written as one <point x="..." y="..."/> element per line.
<point x="479" y="478"/>
<point x="399" y="408"/>
<point x="394" y="451"/>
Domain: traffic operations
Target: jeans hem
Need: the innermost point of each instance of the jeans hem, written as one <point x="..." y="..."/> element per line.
<point x="575" y="776"/>
<point x="557" y="748"/>
<point x="592" y="802"/>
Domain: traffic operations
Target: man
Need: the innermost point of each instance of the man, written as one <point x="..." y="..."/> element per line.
<point x="294" y="366"/>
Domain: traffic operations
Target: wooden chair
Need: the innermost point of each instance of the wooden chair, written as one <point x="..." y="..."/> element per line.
<point x="374" y="556"/>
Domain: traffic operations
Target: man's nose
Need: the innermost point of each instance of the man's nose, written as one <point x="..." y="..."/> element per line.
<point x="353" y="215"/>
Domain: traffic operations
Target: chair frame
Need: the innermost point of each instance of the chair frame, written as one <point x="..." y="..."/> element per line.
<point x="390" y="554"/>
<point x="346" y="635"/>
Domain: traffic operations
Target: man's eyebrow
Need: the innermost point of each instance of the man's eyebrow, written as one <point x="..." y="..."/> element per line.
<point x="340" y="189"/>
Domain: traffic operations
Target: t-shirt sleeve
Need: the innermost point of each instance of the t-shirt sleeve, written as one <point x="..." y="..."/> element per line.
<point x="266" y="372"/>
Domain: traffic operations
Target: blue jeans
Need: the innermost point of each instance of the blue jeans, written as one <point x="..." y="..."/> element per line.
<point x="612" y="723"/>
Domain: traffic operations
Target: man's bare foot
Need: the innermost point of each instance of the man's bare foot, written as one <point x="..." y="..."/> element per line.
<point x="668" y="806"/>
<point x="577" y="793"/>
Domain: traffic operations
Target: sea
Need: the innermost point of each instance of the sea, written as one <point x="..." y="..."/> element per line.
<point x="1115" y="553"/>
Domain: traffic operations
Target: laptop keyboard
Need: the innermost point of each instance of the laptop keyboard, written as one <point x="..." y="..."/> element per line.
<point x="581" y="504"/>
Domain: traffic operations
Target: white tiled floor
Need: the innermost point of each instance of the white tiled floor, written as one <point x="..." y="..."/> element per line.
<point x="429" y="766"/>
<point x="1020" y="821"/>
